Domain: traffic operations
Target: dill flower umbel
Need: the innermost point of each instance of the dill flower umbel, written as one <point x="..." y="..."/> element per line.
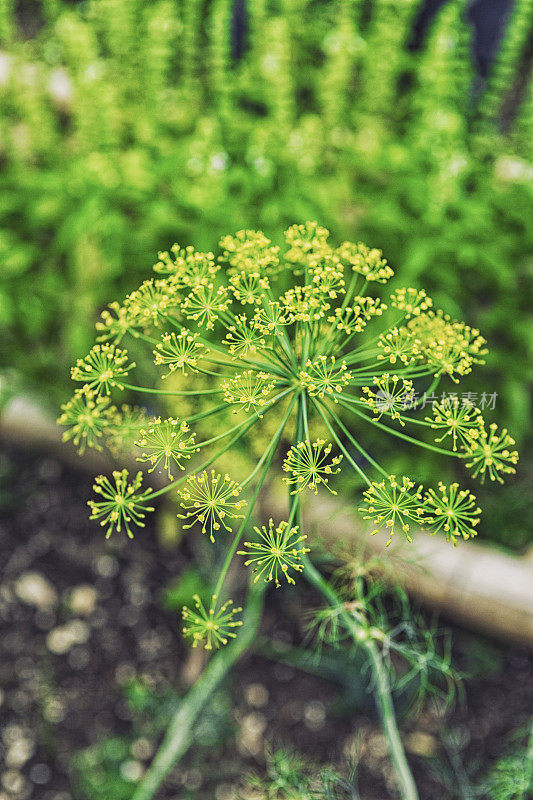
<point x="490" y="454"/>
<point x="298" y="338"/>
<point x="390" y="395"/>
<point x="87" y="417"/>
<point x="277" y="552"/>
<point x="179" y="351"/>
<point x="308" y="465"/>
<point x="210" y="500"/>
<point x="122" y="502"/>
<point x="461" y="421"/>
<point x="167" y="441"/>
<point x="452" y="510"/>
<point x="210" y="627"/>
<point x="390" y="504"/>
<point x="325" y="376"/>
<point x="103" y="368"/>
<point x="249" y="390"/>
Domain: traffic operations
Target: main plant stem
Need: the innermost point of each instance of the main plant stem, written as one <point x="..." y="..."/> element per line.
<point x="179" y="735"/>
<point x="382" y="690"/>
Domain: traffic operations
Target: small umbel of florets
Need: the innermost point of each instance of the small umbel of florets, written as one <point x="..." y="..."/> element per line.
<point x="411" y="301"/>
<point x="461" y="421"/>
<point x="151" y="303"/>
<point x="304" y="241"/>
<point x="304" y="304"/>
<point x="448" y="347"/>
<point x="88" y="417"/>
<point x="114" y="323"/>
<point x="249" y="288"/>
<point x="211" y="500"/>
<point x="390" y="395"/>
<point x="186" y="268"/>
<point x="308" y="465"/>
<point x="452" y="510"/>
<point x="278" y="551"/>
<point x="325" y="376"/>
<point x="368" y="262"/>
<point x="248" y="251"/>
<point x="210" y="627"/>
<point x="249" y="390"/>
<point x="270" y="320"/>
<point x="398" y="344"/>
<point x="179" y="351"/>
<point x="244" y="337"/>
<point x="103" y="368"/>
<point x="327" y="274"/>
<point x="205" y="304"/>
<point x="391" y="505"/>
<point x="123" y="502"/>
<point x="491" y="454"/>
<point x="167" y="441"/>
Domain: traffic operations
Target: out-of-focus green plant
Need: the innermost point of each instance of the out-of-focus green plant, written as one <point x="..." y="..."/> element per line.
<point x="126" y="124"/>
<point x="290" y="777"/>
<point x="512" y="776"/>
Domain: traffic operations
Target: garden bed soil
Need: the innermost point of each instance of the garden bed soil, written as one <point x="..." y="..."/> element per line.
<point x="84" y="629"/>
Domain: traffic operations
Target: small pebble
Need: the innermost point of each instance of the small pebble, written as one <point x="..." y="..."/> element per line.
<point x="40" y="774"/>
<point x="106" y="566"/>
<point x="131" y="770"/>
<point x="256" y="695"/>
<point x="35" y="590"/>
<point x="13" y="782"/>
<point x="19" y="752"/>
<point x="314" y="715"/>
<point x="421" y="744"/>
<point x="82" y="600"/>
<point x="62" y="638"/>
<point x="142" y="749"/>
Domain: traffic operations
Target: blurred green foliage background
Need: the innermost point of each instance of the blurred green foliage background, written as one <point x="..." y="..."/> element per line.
<point x="126" y="126"/>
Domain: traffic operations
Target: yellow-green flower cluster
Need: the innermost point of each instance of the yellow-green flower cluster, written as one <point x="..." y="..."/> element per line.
<point x="277" y="551"/>
<point x="309" y="466"/>
<point x="210" y="627"/>
<point x="210" y="500"/>
<point x="300" y="339"/>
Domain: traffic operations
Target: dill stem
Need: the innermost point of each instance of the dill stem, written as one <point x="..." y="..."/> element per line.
<point x="382" y="689"/>
<point x="240" y="432"/>
<point x="354" y="441"/>
<point x="267" y="457"/>
<point x="176" y="393"/>
<point x="179" y="735"/>
<point x="345" y="452"/>
<point x="396" y="433"/>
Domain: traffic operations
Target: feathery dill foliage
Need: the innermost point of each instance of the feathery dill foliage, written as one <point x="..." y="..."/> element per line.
<point x="254" y="342"/>
<point x="291" y="777"/>
<point x="123" y="121"/>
